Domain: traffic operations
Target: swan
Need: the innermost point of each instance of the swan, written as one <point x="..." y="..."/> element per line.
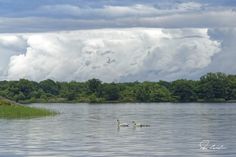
<point x="139" y="125"/>
<point x="122" y="124"/>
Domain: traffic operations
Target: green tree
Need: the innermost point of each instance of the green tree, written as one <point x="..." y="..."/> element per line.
<point x="94" y="86"/>
<point x="183" y="90"/>
<point x="159" y="94"/>
<point x="49" y="86"/>
<point x="111" y="92"/>
<point x="231" y="90"/>
<point x="142" y="92"/>
<point x="213" y="86"/>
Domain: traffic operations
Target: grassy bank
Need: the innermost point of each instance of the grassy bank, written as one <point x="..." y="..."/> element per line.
<point x="8" y="110"/>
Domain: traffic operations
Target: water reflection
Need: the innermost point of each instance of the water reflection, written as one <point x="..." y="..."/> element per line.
<point x="91" y="130"/>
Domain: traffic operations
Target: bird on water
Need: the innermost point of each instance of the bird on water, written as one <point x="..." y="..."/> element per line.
<point x="139" y="125"/>
<point x="122" y="124"/>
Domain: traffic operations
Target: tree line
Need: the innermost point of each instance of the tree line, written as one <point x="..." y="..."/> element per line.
<point x="212" y="87"/>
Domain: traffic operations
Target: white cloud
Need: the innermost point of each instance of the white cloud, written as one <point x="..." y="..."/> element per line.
<point x="186" y="52"/>
<point x="109" y="14"/>
<point x="112" y="11"/>
<point x="9" y="45"/>
<point x="114" y="54"/>
<point x="138" y="10"/>
<point x="225" y="60"/>
<point x="190" y="6"/>
<point x="113" y="18"/>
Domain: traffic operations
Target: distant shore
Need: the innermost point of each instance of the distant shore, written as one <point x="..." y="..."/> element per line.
<point x="212" y="87"/>
<point x="117" y="102"/>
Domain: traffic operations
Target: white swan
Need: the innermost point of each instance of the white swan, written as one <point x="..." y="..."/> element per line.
<point x="122" y="124"/>
<point x="139" y="125"/>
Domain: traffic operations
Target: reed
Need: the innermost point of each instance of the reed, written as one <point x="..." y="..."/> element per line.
<point x="10" y="110"/>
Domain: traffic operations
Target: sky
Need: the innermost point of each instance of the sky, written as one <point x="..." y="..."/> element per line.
<point x="116" y="40"/>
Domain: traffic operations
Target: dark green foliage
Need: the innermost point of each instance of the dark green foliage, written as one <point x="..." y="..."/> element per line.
<point x="142" y="92"/>
<point x="49" y="86"/>
<point x="184" y="90"/>
<point x="94" y="85"/>
<point x="210" y="87"/>
<point x="231" y="91"/>
<point x="214" y="86"/>
<point x="152" y="92"/>
<point x="111" y="92"/>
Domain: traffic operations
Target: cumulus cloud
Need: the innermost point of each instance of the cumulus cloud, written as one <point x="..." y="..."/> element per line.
<point x="225" y="60"/>
<point x="10" y="45"/>
<point x="114" y="54"/>
<point x="116" y="40"/>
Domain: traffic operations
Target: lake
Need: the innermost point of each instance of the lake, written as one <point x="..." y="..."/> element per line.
<point x="89" y="130"/>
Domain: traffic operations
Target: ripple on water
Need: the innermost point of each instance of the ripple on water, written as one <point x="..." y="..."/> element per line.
<point x="91" y="130"/>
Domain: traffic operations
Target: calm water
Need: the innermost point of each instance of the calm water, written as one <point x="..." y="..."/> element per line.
<point x="90" y="130"/>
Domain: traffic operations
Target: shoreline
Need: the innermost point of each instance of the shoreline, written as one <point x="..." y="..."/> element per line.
<point x="12" y="110"/>
<point x="211" y="88"/>
<point x="119" y="102"/>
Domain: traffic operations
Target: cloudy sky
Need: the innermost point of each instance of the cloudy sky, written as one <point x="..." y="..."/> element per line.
<point x="116" y="40"/>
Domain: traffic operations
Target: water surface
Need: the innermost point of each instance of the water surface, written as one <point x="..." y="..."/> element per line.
<point x="88" y="130"/>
